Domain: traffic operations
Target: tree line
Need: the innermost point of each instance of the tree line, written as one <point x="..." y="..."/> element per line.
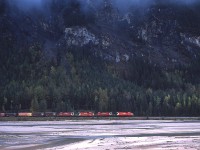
<point x="79" y="80"/>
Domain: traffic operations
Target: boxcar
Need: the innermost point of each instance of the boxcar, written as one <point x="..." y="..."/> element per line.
<point x="37" y="114"/>
<point x="104" y="114"/>
<point x="65" y="114"/>
<point x="2" y="114"/>
<point x="50" y="114"/>
<point x="10" y="114"/>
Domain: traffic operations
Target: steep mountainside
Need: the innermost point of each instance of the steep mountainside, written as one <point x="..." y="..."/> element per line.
<point x="101" y="55"/>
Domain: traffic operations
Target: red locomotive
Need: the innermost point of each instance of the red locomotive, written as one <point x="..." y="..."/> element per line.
<point x="85" y="114"/>
<point x="124" y="114"/>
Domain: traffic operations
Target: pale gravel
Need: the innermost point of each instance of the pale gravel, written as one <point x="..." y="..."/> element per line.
<point x="100" y="135"/>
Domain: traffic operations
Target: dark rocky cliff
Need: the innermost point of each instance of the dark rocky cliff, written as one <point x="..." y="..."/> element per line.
<point x="164" y="34"/>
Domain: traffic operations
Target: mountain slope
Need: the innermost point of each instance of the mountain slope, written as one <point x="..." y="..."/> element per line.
<point x="94" y="55"/>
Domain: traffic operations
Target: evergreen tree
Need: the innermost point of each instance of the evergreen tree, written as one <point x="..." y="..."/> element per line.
<point x="34" y="105"/>
<point x="43" y="105"/>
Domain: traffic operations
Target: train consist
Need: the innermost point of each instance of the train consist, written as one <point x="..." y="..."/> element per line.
<point x="68" y="114"/>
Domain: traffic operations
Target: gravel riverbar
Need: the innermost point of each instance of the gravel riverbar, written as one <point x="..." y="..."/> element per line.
<point x="100" y="134"/>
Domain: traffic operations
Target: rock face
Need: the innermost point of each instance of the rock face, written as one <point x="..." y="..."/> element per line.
<point x="80" y="36"/>
<point x="162" y="34"/>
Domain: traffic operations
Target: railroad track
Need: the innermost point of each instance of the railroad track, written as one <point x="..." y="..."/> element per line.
<point x="94" y="118"/>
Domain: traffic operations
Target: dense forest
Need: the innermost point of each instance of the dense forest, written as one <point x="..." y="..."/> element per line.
<point x="76" y="78"/>
<point x="88" y="84"/>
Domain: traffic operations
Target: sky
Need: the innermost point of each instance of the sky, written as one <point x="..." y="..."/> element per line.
<point x="120" y="4"/>
<point x="26" y="4"/>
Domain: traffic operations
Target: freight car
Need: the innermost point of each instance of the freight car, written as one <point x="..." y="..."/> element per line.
<point x="124" y="114"/>
<point x="68" y="114"/>
<point x="25" y="114"/>
<point x="50" y="114"/>
<point x="65" y="114"/>
<point x="10" y="114"/>
<point x="85" y="114"/>
<point x="2" y="114"/>
<point x="38" y="114"/>
<point x="104" y="114"/>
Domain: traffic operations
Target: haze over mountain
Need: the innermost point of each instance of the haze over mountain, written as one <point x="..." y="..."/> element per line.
<point x="100" y="55"/>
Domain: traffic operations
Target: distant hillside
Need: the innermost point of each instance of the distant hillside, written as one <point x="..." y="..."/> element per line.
<point x="100" y="55"/>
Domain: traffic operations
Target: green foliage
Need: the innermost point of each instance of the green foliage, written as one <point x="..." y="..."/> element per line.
<point x="43" y="106"/>
<point x="79" y="80"/>
<point x="34" y="105"/>
<point x="102" y="97"/>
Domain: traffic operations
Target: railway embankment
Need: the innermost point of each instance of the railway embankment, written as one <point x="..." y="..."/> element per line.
<point x="93" y="118"/>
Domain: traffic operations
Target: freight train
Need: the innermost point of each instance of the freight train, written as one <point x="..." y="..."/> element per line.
<point x="68" y="114"/>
